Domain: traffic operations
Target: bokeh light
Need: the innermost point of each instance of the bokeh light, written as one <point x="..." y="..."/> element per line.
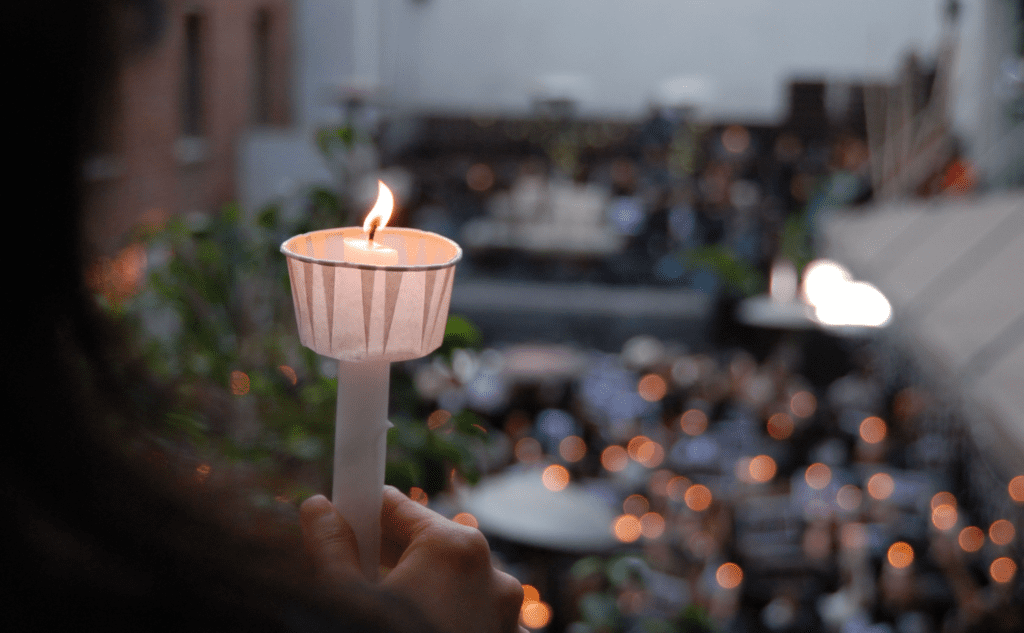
<point x="650" y="454"/>
<point x="873" y="430"/>
<point x="944" y="516"/>
<point x="614" y="458"/>
<point x="652" y="525"/>
<point x="803" y="404"/>
<point x="437" y="419"/>
<point x="637" y="505"/>
<point x="735" y="139"/>
<point x="881" y="486"/>
<point x="289" y="374"/>
<point x="1016" y="488"/>
<point x="530" y="594"/>
<point x="677" y="487"/>
<point x="762" y="468"/>
<point x="943" y="498"/>
<point x="849" y="497"/>
<point x="528" y="450"/>
<point x="535" y="615"/>
<point x="652" y="387"/>
<point x="1002" y="569"/>
<point x="900" y="555"/>
<point x="729" y="575"/>
<point x="479" y="177"/>
<point x="239" y="383"/>
<point x="780" y="426"/>
<point x="555" y="478"/>
<point x="698" y="497"/>
<point x="202" y="472"/>
<point x="818" y="476"/>
<point x="658" y="482"/>
<point x="467" y="519"/>
<point x="418" y="495"/>
<point x="1001" y="532"/>
<point x="971" y="538"/>
<point x="634" y="446"/>
<point x="693" y="422"/>
<point x="627" y="528"/>
<point x="572" y="449"/>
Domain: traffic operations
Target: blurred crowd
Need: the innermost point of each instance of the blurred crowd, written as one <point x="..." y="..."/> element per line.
<point x="743" y="488"/>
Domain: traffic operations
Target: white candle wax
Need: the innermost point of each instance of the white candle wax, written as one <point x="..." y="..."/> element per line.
<point x="365" y="251"/>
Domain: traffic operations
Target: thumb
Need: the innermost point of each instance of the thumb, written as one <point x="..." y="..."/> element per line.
<point x="329" y="540"/>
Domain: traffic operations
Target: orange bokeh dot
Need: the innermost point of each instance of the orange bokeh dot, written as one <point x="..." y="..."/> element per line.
<point x="418" y="495"/>
<point x="698" y="497"/>
<point x="944" y="516"/>
<point x="288" y="373"/>
<point x="1002" y="569"/>
<point x="818" y="476"/>
<point x="881" y="486"/>
<point x="438" y="418"/>
<point x="535" y="615"/>
<point x="479" y="177"/>
<point x="636" y="505"/>
<point x="943" y="499"/>
<point x="614" y="458"/>
<point x="658" y="483"/>
<point x="650" y="454"/>
<point x="555" y="477"/>
<point x="873" y="430"/>
<point x="627" y="528"/>
<point x="528" y="450"/>
<point x="652" y="387"/>
<point x="803" y="404"/>
<point x="652" y="525"/>
<point x="971" y="538"/>
<point x="677" y="487"/>
<point x="780" y="426"/>
<point x="849" y="497"/>
<point x="762" y="468"/>
<point x="729" y="575"/>
<point x="530" y="594"/>
<point x="1016" y="488"/>
<point x="572" y="448"/>
<point x="635" y="445"/>
<point x="467" y="519"/>
<point x="900" y="554"/>
<point x="239" y="383"/>
<point x="1001" y="532"/>
<point x="693" y="422"/>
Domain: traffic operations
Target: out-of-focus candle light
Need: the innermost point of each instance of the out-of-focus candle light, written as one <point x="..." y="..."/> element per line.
<point x="677" y="487"/>
<point x="467" y="519"/>
<point x="803" y="404"/>
<point x="971" y="538"/>
<point x="637" y="505"/>
<point x="729" y="575"/>
<point x="528" y="450"/>
<point x="698" y="497"/>
<point x="762" y="468"/>
<point x="944" y="516"/>
<point x="652" y="388"/>
<point x="1002" y="569"/>
<point x="614" y="458"/>
<point x="900" y="555"/>
<point x="780" y="426"/>
<point x="572" y="448"/>
<point x="555" y="478"/>
<point x="943" y="498"/>
<point x="849" y="497"/>
<point x="626" y="528"/>
<point x="818" y="476"/>
<point x="873" y="430"/>
<point x="652" y="525"/>
<point x="881" y="486"/>
<point x="1001" y="532"/>
<point x="1016" y="488"/>
<point x="693" y="422"/>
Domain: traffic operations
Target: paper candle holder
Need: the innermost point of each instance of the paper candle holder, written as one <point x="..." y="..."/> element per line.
<point x="358" y="312"/>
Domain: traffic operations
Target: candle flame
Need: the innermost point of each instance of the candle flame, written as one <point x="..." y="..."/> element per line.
<point x="381" y="212"/>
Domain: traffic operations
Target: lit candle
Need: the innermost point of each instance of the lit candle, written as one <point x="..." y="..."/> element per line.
<point x="367" y="251"/>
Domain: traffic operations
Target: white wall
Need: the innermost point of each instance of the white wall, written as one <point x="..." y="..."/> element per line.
<point x="485" y="55"/>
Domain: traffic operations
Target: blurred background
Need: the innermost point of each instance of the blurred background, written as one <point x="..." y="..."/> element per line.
<point x="737" y="342"/>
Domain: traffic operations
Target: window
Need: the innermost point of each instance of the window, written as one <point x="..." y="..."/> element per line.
<point x="192" y="122"/>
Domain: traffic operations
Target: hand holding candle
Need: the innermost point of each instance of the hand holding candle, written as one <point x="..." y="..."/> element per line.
<point x="368" y="303"/>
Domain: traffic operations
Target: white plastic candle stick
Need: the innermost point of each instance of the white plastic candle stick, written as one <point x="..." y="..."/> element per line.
<point x="360" y="453"/>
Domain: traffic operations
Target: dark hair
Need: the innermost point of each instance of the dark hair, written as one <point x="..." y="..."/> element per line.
<point x="94" y="534"/>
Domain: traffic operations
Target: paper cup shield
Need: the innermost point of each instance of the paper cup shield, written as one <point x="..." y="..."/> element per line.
<point x="358" y="312"/>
